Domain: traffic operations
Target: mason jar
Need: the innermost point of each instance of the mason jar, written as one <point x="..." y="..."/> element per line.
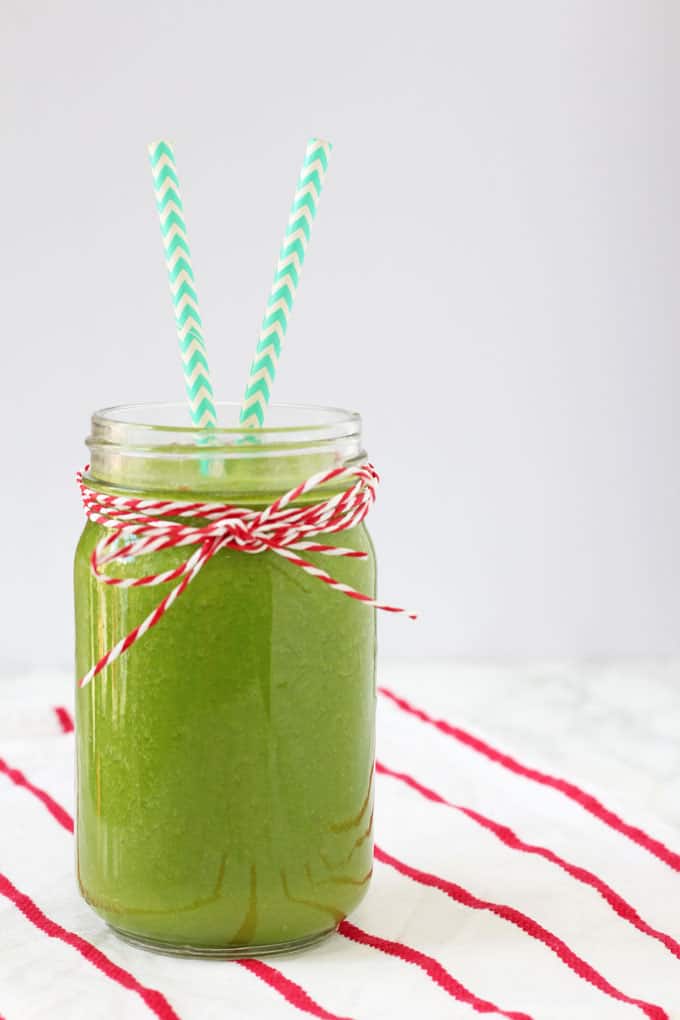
<point x="225" y="760"/>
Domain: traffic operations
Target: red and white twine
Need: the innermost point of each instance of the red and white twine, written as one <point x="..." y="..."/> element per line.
<point x="147" y="526"/>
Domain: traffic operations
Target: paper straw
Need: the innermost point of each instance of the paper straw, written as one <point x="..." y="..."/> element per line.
<point x="182" y="285"/>
<point x="286" y="280"/>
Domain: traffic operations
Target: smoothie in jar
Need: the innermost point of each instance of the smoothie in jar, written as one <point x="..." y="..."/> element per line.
<point x="225" y="761"/>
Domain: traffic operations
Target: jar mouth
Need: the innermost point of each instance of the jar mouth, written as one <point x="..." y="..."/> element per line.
<point x="165" y="421"/>
<point x="171" y="416"/>
<point x="156" y="443"/>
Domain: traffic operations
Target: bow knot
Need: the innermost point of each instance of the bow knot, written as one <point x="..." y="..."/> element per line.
<point x="287" y="527"/>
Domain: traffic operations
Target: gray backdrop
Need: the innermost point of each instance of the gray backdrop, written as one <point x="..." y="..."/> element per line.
<point x="492" y="281"/>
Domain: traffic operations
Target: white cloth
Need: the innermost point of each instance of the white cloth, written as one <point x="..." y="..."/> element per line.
<point x="461" y="911"/>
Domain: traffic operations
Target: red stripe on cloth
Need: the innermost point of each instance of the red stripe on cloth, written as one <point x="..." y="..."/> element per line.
<point x="439" y="974"/>
<point x="526" y="924"/>
<point x="621" y="906"/>
<point x="156" y="1002"/>
<point x="64" y="717"/>
<point x="563" y="786"/>
<point x="288" y="989"/>
<point x="56" y="810"/>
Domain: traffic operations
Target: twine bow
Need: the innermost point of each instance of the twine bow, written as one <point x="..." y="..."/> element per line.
<point x="136" y="527"/>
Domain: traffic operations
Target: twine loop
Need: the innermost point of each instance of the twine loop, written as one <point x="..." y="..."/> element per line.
<point x="137" y="527"/>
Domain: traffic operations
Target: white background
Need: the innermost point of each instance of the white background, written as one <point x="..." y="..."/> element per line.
<point x="492" y="281"/>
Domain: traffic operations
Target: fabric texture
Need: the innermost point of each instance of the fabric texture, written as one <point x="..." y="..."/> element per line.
<point x="503" y="885"/>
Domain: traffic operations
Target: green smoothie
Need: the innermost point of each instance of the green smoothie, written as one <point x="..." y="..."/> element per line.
<point x="225" y="762"/>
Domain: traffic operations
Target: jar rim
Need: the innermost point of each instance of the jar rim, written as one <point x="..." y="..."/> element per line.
<point x="284" y="420"/>
<point x="155" y="445"/>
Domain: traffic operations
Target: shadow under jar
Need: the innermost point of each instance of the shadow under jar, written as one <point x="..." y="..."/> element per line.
<point x="225" y="761"/>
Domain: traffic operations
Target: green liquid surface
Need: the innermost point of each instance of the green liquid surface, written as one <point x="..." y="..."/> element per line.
<point x="225" y="762"/>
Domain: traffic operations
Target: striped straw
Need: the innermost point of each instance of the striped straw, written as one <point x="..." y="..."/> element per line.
<point x="182" y="285"/>
<point x="286" y="280"/>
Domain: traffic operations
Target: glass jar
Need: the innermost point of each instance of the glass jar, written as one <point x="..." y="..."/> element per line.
<point x="225" y="761"/>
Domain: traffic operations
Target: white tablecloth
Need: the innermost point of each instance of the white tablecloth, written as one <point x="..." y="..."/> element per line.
<point x="527" y="863"/>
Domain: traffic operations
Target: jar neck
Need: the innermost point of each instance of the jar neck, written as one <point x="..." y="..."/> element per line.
<point x="149" y="449"/>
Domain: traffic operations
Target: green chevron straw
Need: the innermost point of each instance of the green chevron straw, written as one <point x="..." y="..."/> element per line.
<point x="286" y="280"/>
<point x="182" y="285"/>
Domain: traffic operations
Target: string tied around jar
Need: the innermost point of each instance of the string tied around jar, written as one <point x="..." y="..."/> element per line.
<point x="137" y="527"/>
